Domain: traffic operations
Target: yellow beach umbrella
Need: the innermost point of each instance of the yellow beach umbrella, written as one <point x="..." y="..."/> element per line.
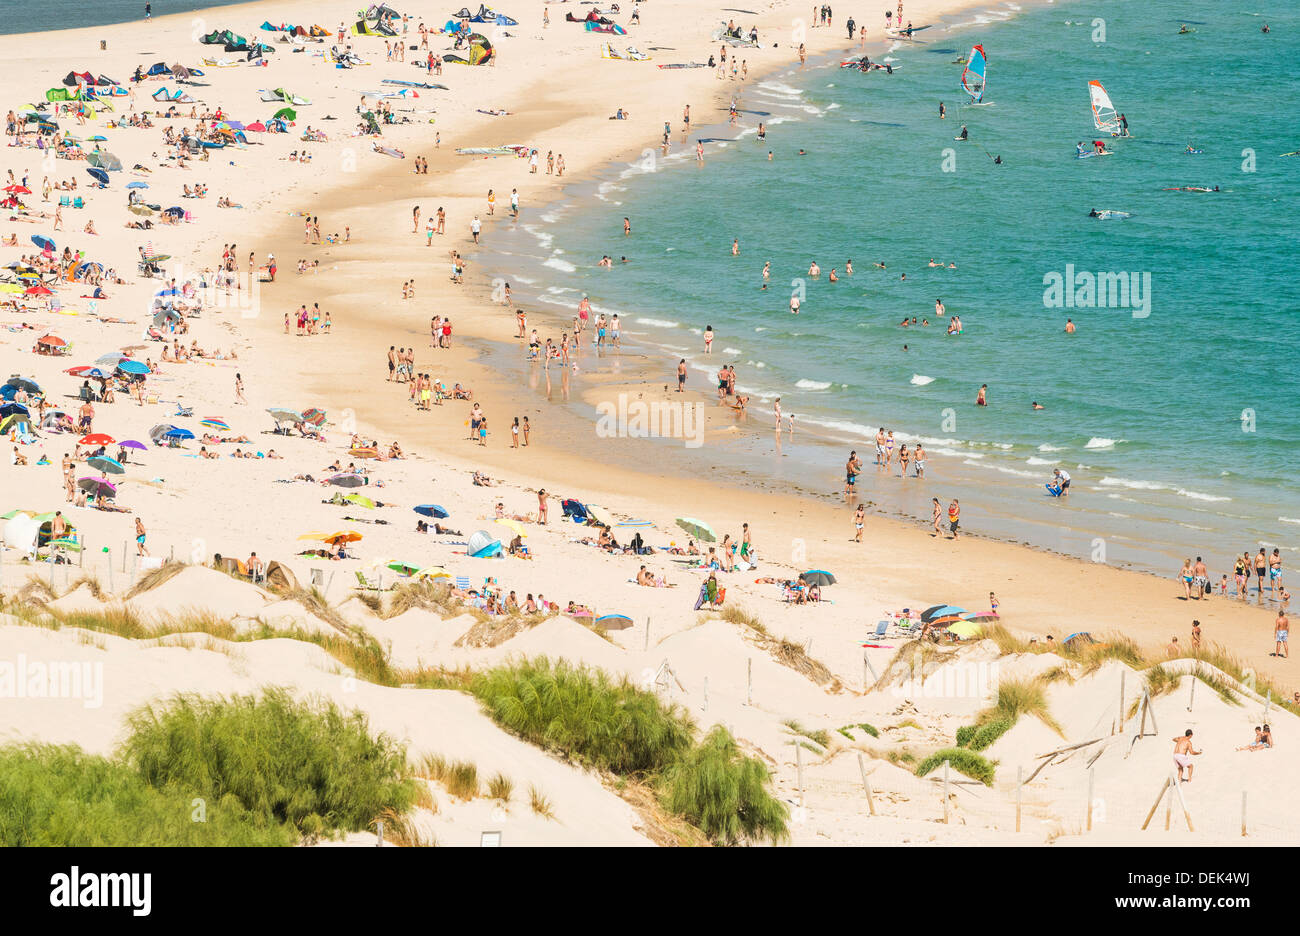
<point x="965" y="629"/>
<point x="514" y="525"/>
<point x="433" y="572"/>
<point x="343" y="536"/>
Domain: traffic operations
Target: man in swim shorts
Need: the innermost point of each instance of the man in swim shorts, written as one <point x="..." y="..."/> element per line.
<point x="851" y="470"/>
<point x="1183" y="752"/>
<point x="1281" y="630"/>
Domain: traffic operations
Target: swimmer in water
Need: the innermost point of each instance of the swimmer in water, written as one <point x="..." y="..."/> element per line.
<point x="943" y="111"/>
<point x="1036" y="405"/>
<point x="880" y="264"/>
<point x="803" y="153"/>
<point x="814" y="270"/>
<point x="834" y="277"/>
<point x="964" y="135"/>
<point x="1069" y="326"/>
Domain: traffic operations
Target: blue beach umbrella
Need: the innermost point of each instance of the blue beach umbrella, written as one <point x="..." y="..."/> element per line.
<point x="176" y="432"/>
<point x="614" y="621"/>
<point x="133" y="367"/>
<point x="98" y="174"/>
<point x="432" y="510"/>
<point x="106" y="464"/>
<point x="43" y="242"/>
<point x="137" y="185"/>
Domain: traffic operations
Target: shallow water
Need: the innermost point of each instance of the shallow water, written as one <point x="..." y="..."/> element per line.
<point x="1175" y="415"/>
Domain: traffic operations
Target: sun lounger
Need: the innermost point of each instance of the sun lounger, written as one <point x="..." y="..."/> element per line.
<point x="364" y="584"/>
<point x="462" y="582"/>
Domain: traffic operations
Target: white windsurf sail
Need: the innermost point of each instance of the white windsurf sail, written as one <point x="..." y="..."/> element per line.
<point x="1103" y="111"/>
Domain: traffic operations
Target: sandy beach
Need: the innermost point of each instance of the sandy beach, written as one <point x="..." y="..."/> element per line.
<point x="558" y="95"/>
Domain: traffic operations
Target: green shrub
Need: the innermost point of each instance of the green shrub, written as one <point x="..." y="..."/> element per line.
<point x="307" y="764"/>
<point x="961" y="760"/>
<point x="584" y="715"/>
<point x="724" y="793"/>
<point x="52" y="795"/>
<point x="989" y="732"/>
<point x="964" y="735"/>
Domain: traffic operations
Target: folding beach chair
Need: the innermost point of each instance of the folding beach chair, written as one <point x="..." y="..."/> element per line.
<point x="462" y="583"/>
<point x="364" y="584"/>
<point x="881" y="627"/>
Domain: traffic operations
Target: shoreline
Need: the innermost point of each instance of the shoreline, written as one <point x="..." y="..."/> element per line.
<point x="803" y="530"/>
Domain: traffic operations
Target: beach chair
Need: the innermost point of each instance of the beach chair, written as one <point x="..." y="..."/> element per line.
<point x="65" y="201"/>
<point x="462" y="583"/>
<point x="364" y="584"/>
<point x="183" y="410"/>
<point x="881" y="627"/>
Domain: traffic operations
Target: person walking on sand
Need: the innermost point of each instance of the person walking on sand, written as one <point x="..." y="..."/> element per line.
<point x="541" y="506"/>
<point x="415" y="219"/>
<point x="937" y="516"/>
<point x="1281" y="631"/>
<point x="859" y="516"/>
<point x="139" y="538"/>
<point x="239" y="389"/>
<point x="1183" y="751"/>
<point x="954" y="517"/>
<point x="681" y="375"/>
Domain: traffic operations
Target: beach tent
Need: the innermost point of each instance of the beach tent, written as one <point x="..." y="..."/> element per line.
<point x="158" y="69"/>
<point x="482" y="546"/>
<point x="62" y="94"/>
<point x="480" y="52"/>
<point x="280" y="577"/>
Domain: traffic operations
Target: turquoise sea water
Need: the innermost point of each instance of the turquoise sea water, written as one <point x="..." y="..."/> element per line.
<point x="1179" y="422"/>
<point x="74" y="14"/>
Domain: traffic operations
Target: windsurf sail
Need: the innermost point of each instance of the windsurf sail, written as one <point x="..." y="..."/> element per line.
<point x="1103" y="111"/>
<point x="973" y="76"/>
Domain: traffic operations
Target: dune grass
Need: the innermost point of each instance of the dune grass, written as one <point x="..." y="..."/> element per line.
<point x="307" y="764"/>
<point x="1017" y="697"/>
<point x="156" y="577"/>
<point x="55" y="795"/>
<point x="724" y="793"/>
<point x="963" y="761"/>
<point x="500" y="788"/>
<point x="819" y="736"/>
<point x="584" y="715"/>
<point x="539" y="803"/>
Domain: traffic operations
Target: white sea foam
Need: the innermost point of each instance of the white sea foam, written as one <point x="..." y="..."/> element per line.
<point x="1136" y="485"/>
<point x="1288" y="519"/>
<point x="732" y="351"/>
<point x="1050" y="448"/>
<point x="921" y="380"/>
<point x="555" y="263"/>
<point x="657" y="323"/>
<point x="1041" y="461"/>
<point x="812" y="385"/>
<point x="1096" y="442"/>
<point x="1197" y="495"/>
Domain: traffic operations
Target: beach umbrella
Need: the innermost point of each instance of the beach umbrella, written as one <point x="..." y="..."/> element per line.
<point x="698" y="529"/>
<point x="133" y="444"/>
<point x="9" y="409"/>
<point x="178" y="434"/>
<point x="514" y="525"/>
<point x="98" y="174"/>
<point x="53" y="341"/>
<point x="23" y="383"/>
<point x="433" y="572"/>
<point x="68" y="544"/>
<point x="143" y="211"/>
<point x="403" y="568"/>
<point x="314" y="416"/>
<point x="106" y="464"/>
<point x="17" y="189"/>
<point x="216" y="424"/>
<point x="38" y="290"/>
<point x="347" y="480"/>
<point x="285" y="113"/>
<point x="934" y="612"/>
<point x="432" y="510"/>
<point x="598" y="515"/>
<point x="98" y="138"/>
<point x="818" y="577"/>
<point x="98" y="487"/>
<point x="360" y="500"/>
<point x="18" y="419"/>
<point x="43" y="242"/>
<point x="342" y="536"/>
<point x="158" y="431"/>
<point x="113" y="357"/>
<point x="140" y="185"/>
<point x="964" y="629"/>
<point x="96" y="438"/>
<point x="614" y="621"/>
<point x="284" y="414"/>
<point x="133" y="367"/>
<point x="313" y="536"/>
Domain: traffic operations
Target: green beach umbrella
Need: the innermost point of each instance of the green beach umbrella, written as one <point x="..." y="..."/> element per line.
<point x="360" y="500"/>
<point x="286" y="113"/>
<point x="698" y="529"/>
